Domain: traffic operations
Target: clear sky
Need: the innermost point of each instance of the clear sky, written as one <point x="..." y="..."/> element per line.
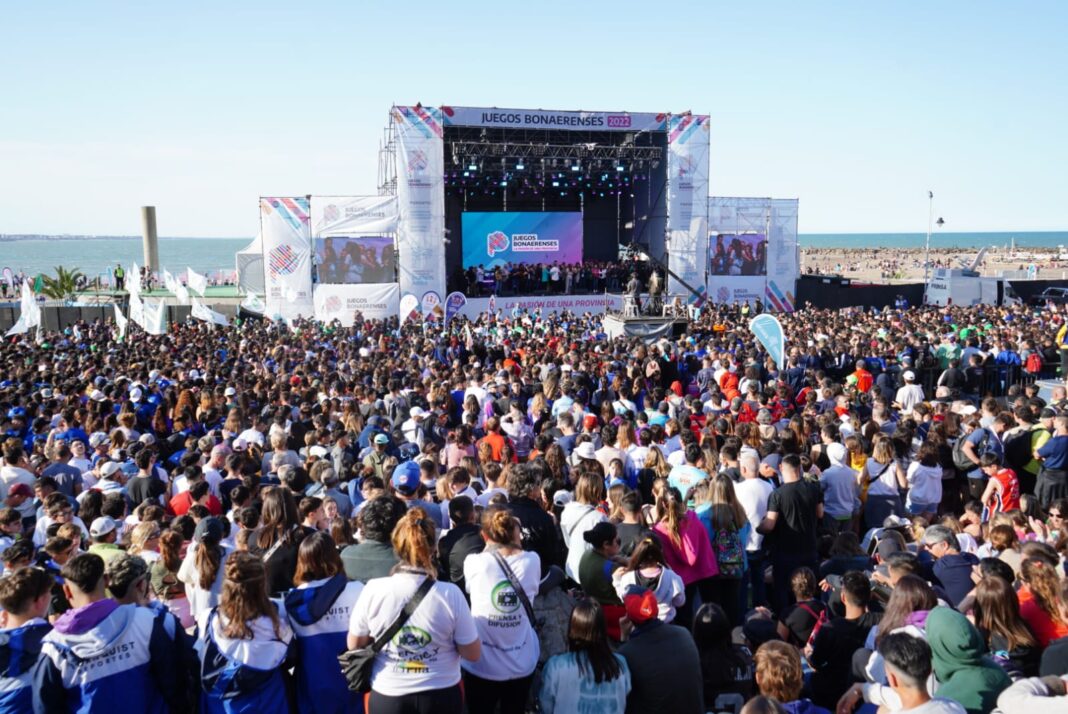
<point x="856" y="108"/>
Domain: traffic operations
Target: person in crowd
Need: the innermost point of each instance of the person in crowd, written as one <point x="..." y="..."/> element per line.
<point x="24" y="598"/>
<point x="779" y="676"/>
<point x="727" y="669"/>
<point x="318" y="610"/>
<point x="663" y="660"/>
<point x="831" y="651"/>
<point x="203" y="568"/>
<point x="687" y="550"/>
<point x="1042" y="602"/>
<point x="245" y="647"/>
<point x="373" y="556"/>
<point x="996" y="614"/>
<point x="647" y="568"/>
<point x="67" y="677"/>
<point x="794" y="510"/>
<point x="952" y="568"/>
<point x="798" y="620"/>
<point x="964" y="674"/>
<point x="580" y="516"/>
<point x="589" y="676"/>
<point x="166" y="586"/>
<point x="597" y="569"/>
<point x="418" y="671"/>
<point x="502" y="676"/>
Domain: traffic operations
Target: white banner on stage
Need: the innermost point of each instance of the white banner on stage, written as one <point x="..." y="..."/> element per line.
<point x="542" y="119"/>
<point x="688" y="139"/>
<point x="345" y="215"/>
<point x="342" y="302"/>
<point x="286" y="231"/>
<point x="578" y="304"/>
<point x="754" y="220"/>
<point x="421" y="200"/>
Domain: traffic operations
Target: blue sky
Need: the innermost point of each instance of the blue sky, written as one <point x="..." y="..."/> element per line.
<point x="855" y="108"/>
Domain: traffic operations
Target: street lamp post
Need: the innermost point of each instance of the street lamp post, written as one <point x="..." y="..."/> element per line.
<point x="927" y="245"/>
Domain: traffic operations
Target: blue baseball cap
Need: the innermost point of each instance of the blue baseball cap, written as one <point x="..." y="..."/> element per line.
<point x="406" y="477"/>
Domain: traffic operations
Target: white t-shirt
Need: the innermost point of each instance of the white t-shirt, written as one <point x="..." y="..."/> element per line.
<point x="423" y="655"/>
<point x="509" y="643"/>
<point x="575" y="520"/>
<point x="885" y="478"/>
<point x="670" y="591"/>
<point x="753" y="494"/>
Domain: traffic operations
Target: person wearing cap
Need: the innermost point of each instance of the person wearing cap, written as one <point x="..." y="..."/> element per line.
<point x="909" y="395"/>
<point x="841" y="494"/>
<point x="589" y="677"/>
<point x="408" y="487"/>
<point x="664" y="664"/>
<point x="375" y="461"/>
<point x="104" y="532"/>
<point x="412" y="428"/>
<point x="79" y="669"/>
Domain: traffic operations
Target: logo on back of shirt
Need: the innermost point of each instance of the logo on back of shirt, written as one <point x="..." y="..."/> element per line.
<point x="413" y="649"/>
<point x="504" y="598"/>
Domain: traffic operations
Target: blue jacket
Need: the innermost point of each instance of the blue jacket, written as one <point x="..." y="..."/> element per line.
<point x="106" y="653"/>
<point x="244" y="676"/>
<point x="319" y="615"/>
<point x="19" y="648"/>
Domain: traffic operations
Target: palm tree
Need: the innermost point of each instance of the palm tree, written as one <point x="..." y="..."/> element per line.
<point x="64" y="286"/>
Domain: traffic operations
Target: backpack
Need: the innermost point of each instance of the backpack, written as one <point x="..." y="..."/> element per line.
<point x="961" y="461"/>
<point x="1034" y="363"/>
<point x="821" y="619"/>
<point x="1018" y="451"/>
<point x="730" y="553"/>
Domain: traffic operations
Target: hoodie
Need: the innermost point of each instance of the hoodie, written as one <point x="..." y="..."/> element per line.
<point x="804" y="706"/>
<point x="243" y="675"/>
<point x="319" y="614"/>
<point x="104" y="653"/>
<point x="19" y="648"/>
<point x="963" y="673"/>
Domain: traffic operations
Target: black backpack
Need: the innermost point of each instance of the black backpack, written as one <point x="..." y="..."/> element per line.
<point x="960" y="459"/>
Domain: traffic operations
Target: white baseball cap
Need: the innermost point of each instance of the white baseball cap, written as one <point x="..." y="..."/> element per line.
<point x="416" y="413"/>
<point x="135" y="394"/>
<point x="909" y="376"/>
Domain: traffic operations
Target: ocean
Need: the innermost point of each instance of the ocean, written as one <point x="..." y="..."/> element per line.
<point x="96" y="256"/>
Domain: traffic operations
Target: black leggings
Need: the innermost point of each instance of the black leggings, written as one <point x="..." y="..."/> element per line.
<point x="483" y="695"/>
<point x="432" y="701"/>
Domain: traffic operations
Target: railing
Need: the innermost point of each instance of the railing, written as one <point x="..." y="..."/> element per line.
<point x="646" y="305"/>
<point x="994" y="380"/>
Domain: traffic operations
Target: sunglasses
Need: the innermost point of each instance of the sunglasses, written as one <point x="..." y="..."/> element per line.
<point x="1054" y="515"/>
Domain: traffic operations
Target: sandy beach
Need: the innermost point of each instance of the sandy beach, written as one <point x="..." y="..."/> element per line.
<point x="890" y="265"/>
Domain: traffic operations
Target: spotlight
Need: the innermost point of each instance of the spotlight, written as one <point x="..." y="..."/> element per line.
<point x="556" y="183"/>
<point x="472" y="167"/>
<point x="504" y="183"/>
<point x="520" y="166"/>
<point x="576" y="167"/>
<point x="467" y="173"/>
<point x="620" y="167"/>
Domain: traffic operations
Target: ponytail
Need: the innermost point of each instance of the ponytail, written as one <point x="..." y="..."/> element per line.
<point x="208" y="559"/>
<point x="1045" y="586"/>
<point x="671" y="511"/>
<point x="413" y="540"/>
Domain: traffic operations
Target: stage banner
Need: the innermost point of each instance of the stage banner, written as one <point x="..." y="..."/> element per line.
<point x="454" y="302"/>
<point x="285" y="227"/>
<point x="513" y="307"/>
<point x="768" y="331"/>
<point x="542" y="119"/>
<point x="530" y="237"/>
<point x="421" y="199"/>
<point x="784" y="259"/>
<point x="736" y="289"/>
<point x="342" y="302"/>
<point x="688" y="139"/>
<point x="346" y="215"/>
<point x="409" y="307"/>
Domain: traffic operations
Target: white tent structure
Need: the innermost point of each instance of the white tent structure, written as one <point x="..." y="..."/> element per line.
<point x="250" y="267"/>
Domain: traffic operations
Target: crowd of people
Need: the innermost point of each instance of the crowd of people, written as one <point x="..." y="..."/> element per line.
<point x="517" y="514"/>
<point x="588" y="277"/>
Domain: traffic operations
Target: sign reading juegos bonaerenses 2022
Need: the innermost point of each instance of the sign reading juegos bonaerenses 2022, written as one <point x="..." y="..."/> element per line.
<point x="530" y="237"/>
<point x="543" y="119"/>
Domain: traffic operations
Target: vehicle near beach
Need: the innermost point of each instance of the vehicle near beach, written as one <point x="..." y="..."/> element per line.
<point x="952" y="286"/>
<point x="1054" y="296"/>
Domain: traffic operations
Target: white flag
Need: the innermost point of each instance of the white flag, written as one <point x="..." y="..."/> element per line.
<point x="18" y="328"/>
<point x="253" y="303"/>
<point x="133" y="280"/>
<point x="197" y="282"/>
<point x="121" y="322"/>
<point x="205" y="313"/>
<point x="137" y="308"/>
<point x="154" y="314"/>
<point x="31" y="312"/>
<point x="181" y="292"/>
<point x="169" y="281"/>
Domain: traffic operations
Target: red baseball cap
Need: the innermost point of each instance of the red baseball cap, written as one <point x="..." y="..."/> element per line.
<point x="20" y="489"/>
<point x="641" y="606"/>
